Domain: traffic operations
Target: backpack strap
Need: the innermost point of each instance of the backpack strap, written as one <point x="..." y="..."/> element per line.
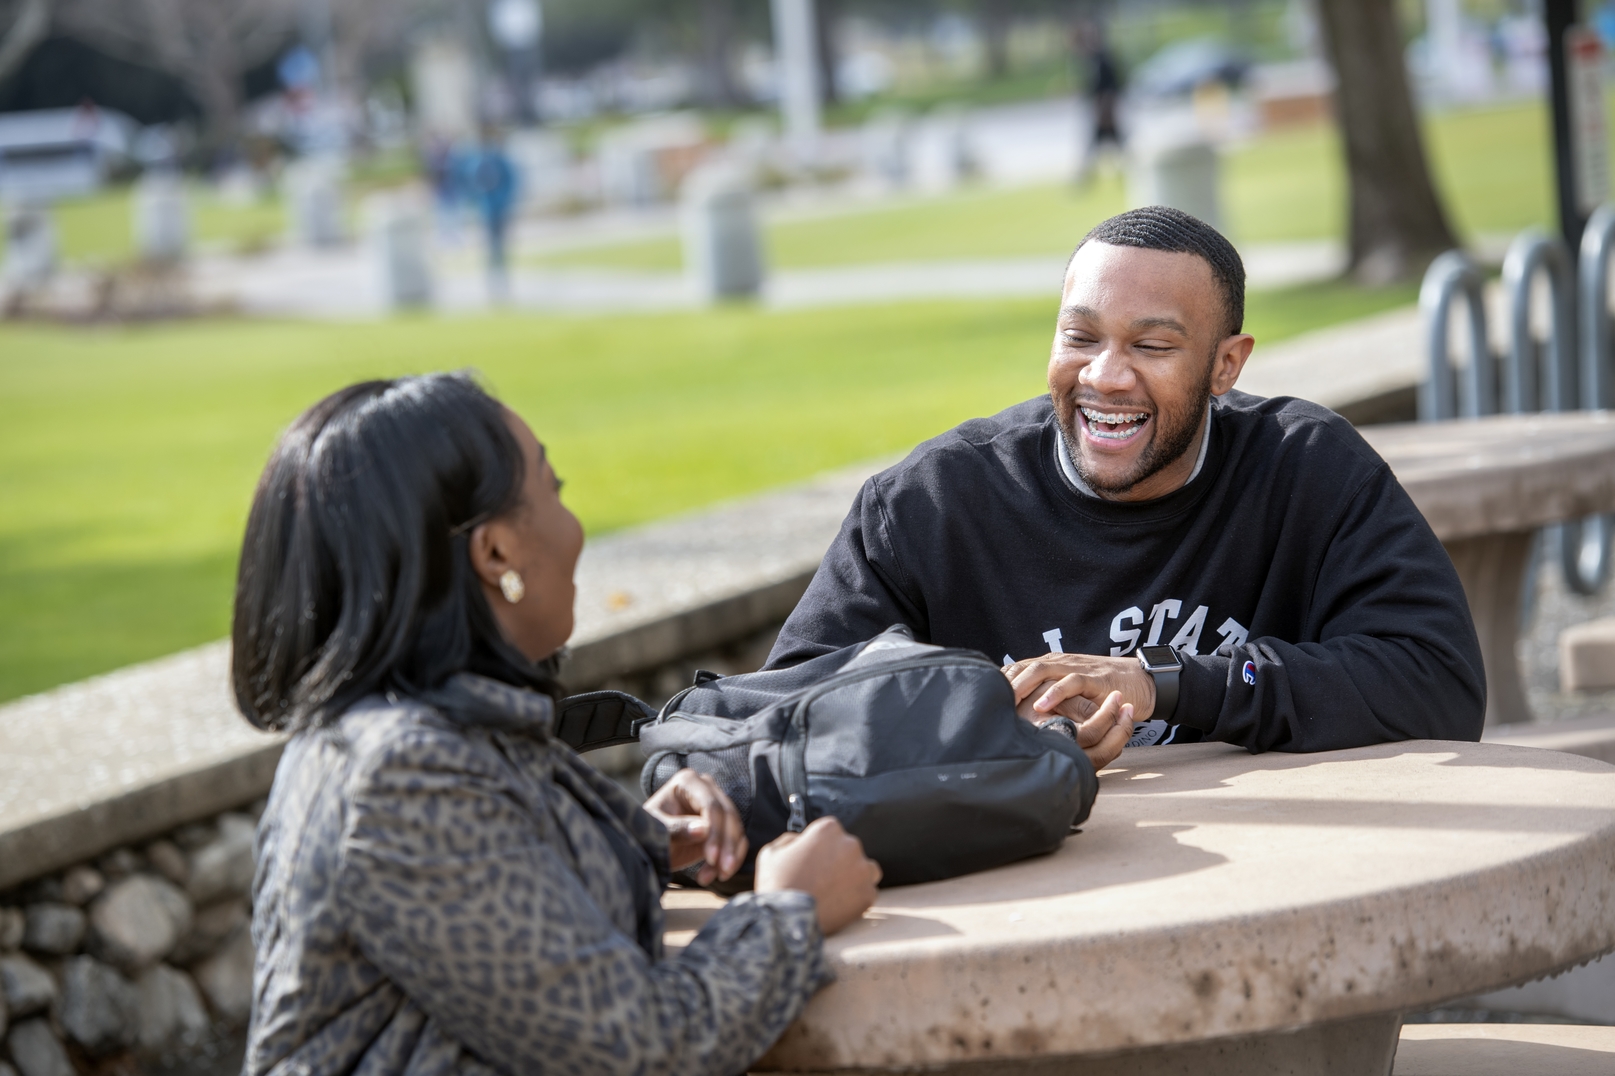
<point x="598" y="719"/>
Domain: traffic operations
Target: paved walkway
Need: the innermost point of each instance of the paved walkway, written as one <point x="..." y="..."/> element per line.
<point x="347" y="282"/>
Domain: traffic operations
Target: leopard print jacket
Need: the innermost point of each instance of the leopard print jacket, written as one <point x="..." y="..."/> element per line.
<point x="443" y="888"/>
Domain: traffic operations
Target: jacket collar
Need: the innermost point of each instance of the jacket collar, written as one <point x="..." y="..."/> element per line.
<point x="471" y="699"/>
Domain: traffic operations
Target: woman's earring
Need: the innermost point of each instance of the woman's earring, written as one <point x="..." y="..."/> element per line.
<point x="512" y="587"/>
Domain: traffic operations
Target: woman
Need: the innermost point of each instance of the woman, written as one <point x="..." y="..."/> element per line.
<point x="441" y="886"/>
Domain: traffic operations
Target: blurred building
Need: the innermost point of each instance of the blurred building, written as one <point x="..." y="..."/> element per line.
<point x="61" y="152"/>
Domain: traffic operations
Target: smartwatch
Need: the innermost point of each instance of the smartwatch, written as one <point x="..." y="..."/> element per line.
<point x="1061" y="724"/>
<point x="1163" y="665"/>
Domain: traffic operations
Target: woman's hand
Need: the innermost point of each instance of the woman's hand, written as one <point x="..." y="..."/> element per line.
<point x="826" y="862"/>
<point x="702" y="825"/>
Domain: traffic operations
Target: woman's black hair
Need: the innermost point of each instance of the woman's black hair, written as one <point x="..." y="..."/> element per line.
<point x="355" y="571"/>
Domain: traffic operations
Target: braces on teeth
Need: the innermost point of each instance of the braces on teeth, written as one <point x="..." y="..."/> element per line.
<point x="1096" y="419"/>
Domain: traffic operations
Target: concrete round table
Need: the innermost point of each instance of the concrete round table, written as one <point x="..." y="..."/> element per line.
<point x="1228" y="913"/>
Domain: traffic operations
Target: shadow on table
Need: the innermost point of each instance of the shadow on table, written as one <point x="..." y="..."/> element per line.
<point x="1102" y="855"/>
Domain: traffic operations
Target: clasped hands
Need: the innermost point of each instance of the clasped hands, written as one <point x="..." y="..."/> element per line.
<point x="1102" y="695"/>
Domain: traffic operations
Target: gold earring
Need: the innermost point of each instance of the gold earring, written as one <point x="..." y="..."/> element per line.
<point x="512" y="587"/>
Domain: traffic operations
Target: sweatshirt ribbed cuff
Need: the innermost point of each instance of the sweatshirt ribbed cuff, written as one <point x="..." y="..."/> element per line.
<point x="1202" y="686"/>
<point x="796" y="914"/>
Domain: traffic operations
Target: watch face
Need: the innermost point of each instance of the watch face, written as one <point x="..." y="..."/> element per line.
<point x="1159" y="657"/>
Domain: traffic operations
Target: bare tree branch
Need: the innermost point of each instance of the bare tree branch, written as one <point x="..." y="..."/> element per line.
<point x="27" y="30"/>
<point x="207" y="44"/>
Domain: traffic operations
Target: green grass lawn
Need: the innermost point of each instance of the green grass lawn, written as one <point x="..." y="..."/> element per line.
<point x="1491" y="165"/>
<point x="128" y="456"/>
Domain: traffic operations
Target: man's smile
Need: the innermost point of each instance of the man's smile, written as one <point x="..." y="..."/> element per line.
<point x="1113" y="429"/>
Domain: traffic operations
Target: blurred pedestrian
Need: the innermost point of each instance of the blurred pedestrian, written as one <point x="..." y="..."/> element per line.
<point x="437" y="162"/>
<point x="488" y="179"/>
<point x="1103" y="88"/>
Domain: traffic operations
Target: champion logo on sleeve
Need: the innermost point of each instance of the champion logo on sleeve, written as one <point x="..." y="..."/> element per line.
<point x="1249" y="673"/>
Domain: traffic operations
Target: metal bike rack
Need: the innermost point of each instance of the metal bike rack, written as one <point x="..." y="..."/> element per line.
<point x="1597" y="334"/>
<point x="1451" y="277"/>
<point x="1585" y="543"/>
<point x="1531" y="253"/>
<point x="1574" y="368"/>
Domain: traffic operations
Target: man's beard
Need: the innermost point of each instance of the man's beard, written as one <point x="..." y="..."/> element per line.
<point x="1170" y="440"/>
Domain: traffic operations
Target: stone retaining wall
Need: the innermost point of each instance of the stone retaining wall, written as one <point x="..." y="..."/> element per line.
<point x="140" y="961"/>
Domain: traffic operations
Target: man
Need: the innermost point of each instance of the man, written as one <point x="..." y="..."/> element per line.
<point x="1144" y="505"/>
<point x="1104" y="84"/>
<point x="489" y="180"/>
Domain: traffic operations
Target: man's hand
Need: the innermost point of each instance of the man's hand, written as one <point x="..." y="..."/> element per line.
<point x="702" y="825"/>
<point x="1102" y="735"/>
<point x="1077" y="684"/>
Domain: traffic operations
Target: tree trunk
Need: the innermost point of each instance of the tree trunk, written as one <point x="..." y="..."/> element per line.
<point x="994" y="19"/>
<point x="718" y="86"/>
<point x="219" y="94"/>
<point x="1397" y="221"/>
<point x="210" y="66"/>
<point x="826" y="15"/>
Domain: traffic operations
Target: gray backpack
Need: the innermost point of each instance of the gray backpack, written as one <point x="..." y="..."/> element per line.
<point x="916" y="749"/>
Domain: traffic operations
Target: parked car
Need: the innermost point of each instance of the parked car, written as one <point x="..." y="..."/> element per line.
<point x="1183" y="66"/>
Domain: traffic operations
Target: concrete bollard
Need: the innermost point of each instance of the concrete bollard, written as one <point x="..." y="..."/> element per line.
<point x="544" y="163"/>
<point x="939" y="152"/>
<point x="314" y="201"/>
<point x="1587" y="656"/>
<point x="30" y="246"/>
<point x="400" y="234"/>
<point x="883" y="144"/>
<point x="162" y="223"/>
<point x="723" y="253"/>
<point x="1185" y="175"/>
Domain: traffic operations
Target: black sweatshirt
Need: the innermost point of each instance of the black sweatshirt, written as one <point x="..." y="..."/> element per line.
<point x="1312" y="605"/>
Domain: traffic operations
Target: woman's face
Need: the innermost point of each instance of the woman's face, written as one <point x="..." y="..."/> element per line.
<point x="540" y="540"/>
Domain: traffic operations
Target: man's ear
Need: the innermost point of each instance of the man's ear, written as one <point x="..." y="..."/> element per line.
<point x="490" y="546"/>
<point x="1232" y="354"/>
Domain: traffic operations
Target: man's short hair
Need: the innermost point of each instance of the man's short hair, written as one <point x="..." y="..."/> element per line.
<point x="1159" y="227"/>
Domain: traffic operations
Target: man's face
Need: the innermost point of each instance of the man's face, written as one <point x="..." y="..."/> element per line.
<point x="1138" y="352"/>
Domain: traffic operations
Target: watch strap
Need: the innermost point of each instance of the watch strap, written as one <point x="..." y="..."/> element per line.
<point x="1061" y="724"/>
<point x="1166" y="693"/>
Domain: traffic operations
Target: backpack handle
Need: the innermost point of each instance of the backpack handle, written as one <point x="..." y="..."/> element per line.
<point x="597" y="719"/>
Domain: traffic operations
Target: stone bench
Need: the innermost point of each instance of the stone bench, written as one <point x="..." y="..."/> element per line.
<point x="1587" y="656"/>
<point x="1505" y="1050"/>
<point x="1590" y="737"/>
